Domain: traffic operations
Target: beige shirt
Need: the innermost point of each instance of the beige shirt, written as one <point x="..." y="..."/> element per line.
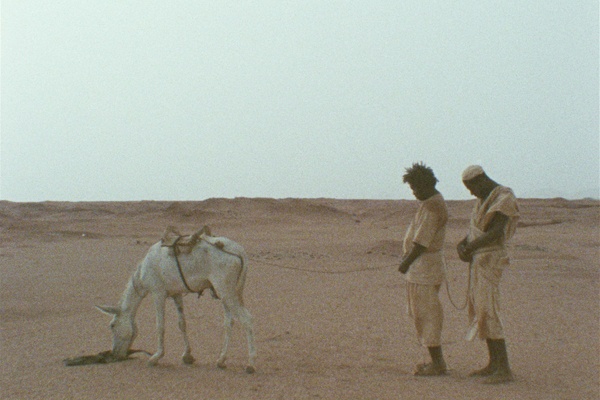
<point x="502" y="200"/>
<point x="428" y="228"/>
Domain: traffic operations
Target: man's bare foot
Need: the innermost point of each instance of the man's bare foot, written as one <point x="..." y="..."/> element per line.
<point x="431" y="369"/>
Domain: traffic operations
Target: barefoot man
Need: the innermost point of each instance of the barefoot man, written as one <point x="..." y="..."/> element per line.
<point x="493" y="223"/>
<point x="423" y="264"/>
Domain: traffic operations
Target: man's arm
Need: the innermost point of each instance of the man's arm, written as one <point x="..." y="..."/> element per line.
<point x="494" y="231"/>
<point x="416" y="251"/>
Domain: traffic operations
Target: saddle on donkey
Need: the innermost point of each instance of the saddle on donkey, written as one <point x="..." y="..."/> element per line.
<point x="183" y="244"/>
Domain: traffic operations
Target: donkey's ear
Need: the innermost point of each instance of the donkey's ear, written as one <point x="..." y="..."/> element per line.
<point x="109" y="310"/>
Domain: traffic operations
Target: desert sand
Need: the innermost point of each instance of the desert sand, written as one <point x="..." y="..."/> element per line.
<point x="328" y="302"/>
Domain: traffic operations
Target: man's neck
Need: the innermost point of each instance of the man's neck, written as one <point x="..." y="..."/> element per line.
<point x="430" y="194"/>
<point x="489" y="189"/>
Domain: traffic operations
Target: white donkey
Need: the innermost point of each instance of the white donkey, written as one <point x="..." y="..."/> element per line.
<point x="168" y="270"/>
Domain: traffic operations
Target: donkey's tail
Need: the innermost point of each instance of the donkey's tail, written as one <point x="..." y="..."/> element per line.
<point x="239" y="288"/>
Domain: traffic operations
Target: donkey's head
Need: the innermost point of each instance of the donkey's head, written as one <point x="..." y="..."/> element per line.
<point x="123" y="330"/>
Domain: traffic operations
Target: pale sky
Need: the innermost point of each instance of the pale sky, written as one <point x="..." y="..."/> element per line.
<point x="187" y="100"/>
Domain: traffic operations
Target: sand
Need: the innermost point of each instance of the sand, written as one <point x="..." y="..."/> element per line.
<point x="328" y="303"/>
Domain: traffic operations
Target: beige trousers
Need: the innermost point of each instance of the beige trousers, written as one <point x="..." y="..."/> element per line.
<point x="425" y="308"/>
<point x="484" y="295"/>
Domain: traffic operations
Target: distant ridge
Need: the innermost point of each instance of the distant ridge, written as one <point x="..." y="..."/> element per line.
<point x="551" y="193"/>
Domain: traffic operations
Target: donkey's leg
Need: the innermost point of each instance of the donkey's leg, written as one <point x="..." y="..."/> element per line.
<point x="159" y="304"/>
<point x="228" y="322"/>
<point x="187" y="354"/>
<point x="242" y="314"/>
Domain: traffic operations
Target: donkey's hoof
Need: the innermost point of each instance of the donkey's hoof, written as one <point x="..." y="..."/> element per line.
<point x="250" y="369"/>
<point x="188" y="359"/>
<point x="153" y="361"/>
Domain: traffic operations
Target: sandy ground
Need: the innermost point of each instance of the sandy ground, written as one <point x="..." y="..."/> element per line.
<point x="323" y="287"/>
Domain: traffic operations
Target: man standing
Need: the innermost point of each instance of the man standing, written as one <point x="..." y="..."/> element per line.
<point x="423" y="264"/>
<point x="493" y="222"/>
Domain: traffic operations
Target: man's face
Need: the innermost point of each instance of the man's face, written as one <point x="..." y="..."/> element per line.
<point x="475" y="186"/>
<point x="420" y="191"/>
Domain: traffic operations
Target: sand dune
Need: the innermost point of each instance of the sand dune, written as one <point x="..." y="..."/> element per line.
<point x="328" y="302"/>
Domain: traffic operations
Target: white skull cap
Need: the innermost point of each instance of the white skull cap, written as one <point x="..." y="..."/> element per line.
<point x="471" y="172"/>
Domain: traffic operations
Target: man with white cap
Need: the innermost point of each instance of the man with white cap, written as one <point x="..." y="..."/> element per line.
<point x="493" y="222"/>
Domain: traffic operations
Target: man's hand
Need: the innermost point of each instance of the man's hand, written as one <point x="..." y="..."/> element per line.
<point x="406" y="262"/>
<point x="493" y="232"/>
<point x="463" y="253"/>
<point x="403" y="268"/>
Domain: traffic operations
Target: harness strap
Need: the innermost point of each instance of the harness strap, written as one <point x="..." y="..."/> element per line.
<point x="175" y="251"/>
<point x="219" y="245"/>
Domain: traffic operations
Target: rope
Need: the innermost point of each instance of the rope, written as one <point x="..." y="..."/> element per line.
<point x="222" y="249"/>
<point x="467" y="291"/>
<point x="320" y="271"/>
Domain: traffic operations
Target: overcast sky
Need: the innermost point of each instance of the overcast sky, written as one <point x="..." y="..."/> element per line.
<point x="187" y="100"/>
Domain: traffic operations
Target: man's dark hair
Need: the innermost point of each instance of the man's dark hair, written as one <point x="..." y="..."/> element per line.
<point x="419" y="173"/>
